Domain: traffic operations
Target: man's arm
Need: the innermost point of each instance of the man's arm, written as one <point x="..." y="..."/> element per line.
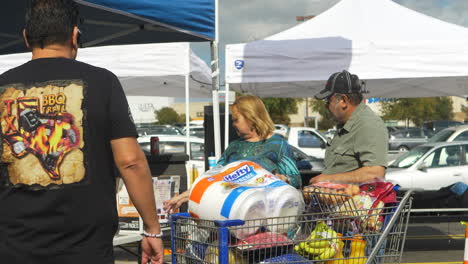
<point x="361" y="175"/>
<point x="135" y="172"/>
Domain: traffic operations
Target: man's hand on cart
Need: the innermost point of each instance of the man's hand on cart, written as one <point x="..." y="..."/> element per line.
<point x="176" y="201"/>
<point x="320" y="178"/>
<point x="152" y="250"/>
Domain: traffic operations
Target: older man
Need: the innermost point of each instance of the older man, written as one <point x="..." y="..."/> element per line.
<point x="358" y="151"/>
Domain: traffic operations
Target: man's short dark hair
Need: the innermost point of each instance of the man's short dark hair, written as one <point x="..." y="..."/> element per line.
<point x="50" y="22"/>
<point x="355" y="98"/>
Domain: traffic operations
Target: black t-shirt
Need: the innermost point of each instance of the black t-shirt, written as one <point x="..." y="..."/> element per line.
<point x="57" y="180"/>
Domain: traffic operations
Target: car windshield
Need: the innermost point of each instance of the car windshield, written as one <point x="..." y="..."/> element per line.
<point x="409" y="158"/>
<point x="442" y="136"/>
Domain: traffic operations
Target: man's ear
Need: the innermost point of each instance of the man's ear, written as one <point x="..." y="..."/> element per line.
<point x="344" y="102"/>
<point x="25" y="37"/>
<point x="75" y="35"/>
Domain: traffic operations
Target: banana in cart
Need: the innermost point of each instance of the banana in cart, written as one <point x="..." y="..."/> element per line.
<point x="323" y="243"/>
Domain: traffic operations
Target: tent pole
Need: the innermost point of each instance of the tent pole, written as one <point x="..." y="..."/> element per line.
<point x="215" y="84"/>
<point x="187" y="103"/>
<point x="187" y="114"/>
<point x="226" y="116"/>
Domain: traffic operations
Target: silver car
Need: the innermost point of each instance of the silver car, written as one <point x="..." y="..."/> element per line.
<point x="458" y="133"/>
<point x="431" y="166"/>
<point x="408" y="138"/>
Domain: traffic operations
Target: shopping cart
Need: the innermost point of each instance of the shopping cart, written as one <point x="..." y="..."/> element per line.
<point x="334" y="232"/>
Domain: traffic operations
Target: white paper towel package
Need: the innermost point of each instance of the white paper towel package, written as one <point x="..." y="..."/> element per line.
<point x="244" y="190"/>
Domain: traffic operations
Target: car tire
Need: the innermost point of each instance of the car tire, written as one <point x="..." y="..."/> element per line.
<point x="403" y="148"/>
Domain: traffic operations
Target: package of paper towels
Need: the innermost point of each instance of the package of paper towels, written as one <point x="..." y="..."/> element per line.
<point x="244" y="190"/>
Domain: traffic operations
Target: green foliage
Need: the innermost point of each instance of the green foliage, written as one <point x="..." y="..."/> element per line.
<point x="280" y="109"/>
<point x="326" y="121"/>
<point x="182" y="119"/>
<point x="168" y="116"/>
<point x="418" y="110"/>
<point x="465" y="111"/>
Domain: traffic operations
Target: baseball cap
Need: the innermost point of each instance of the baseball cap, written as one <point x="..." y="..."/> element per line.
<point x="341" y="82"/>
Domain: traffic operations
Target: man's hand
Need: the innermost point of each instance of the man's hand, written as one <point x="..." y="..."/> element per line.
<point x="321" y="178"/>
<point x="152" y="250"/>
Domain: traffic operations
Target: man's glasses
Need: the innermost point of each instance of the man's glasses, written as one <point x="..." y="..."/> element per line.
<point x="328" y="99"/>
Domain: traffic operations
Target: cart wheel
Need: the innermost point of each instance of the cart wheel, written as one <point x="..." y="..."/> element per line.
<point x="139" y="252"/>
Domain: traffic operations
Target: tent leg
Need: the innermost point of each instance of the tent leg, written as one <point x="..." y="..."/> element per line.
<point x="226" y="116"/>
<point x="215" y="84"/>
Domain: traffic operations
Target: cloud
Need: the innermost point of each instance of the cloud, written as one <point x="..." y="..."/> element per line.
<point x="452" y="11"/>
<point x="247" y="20"/>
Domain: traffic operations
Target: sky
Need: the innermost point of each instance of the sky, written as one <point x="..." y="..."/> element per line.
<point x="248" y="20"/>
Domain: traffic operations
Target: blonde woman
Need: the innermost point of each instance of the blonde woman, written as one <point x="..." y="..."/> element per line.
<point x="257" y="143"/>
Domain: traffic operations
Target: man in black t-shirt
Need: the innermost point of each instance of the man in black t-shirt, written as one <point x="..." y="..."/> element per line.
<point x="65" y="125"/>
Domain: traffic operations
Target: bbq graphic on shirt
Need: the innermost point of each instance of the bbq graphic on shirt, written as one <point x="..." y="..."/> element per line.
<point x="42" y="133"/>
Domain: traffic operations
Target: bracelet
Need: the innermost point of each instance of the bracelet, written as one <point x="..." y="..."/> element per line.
<point x="146" y="234"/>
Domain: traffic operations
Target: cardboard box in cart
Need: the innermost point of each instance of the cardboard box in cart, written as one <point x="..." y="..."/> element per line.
<point x="164" y="188"/>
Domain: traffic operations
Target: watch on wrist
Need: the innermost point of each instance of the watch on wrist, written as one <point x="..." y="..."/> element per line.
<point x="146" y="234"/>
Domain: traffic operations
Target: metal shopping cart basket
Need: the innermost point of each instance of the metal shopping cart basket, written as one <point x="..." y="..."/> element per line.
<point x="335" y="233"/>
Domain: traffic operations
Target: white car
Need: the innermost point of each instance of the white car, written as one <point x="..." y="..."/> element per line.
<point x="281" y="130"/>
<point x="457" y="133"/>
<point x="196" y="131"/>
<point x="330" y="133"/>
<point x="175" y="144"/>
<point x="431" y="166"/>
<point x="309" y="140"/>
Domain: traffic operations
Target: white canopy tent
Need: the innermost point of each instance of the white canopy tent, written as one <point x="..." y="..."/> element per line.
<point x="164" y="69"/>
<point x="399" y="52"/>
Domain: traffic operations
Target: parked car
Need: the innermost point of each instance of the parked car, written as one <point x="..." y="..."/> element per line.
<point x="458" y="133"/>
<point x="408" y="138"/>
<point x="281" y="130"/>
<point x="196" y="122"/>
<point x="175" y="144"/>
<point x="438" y="125"/>
<point x="159" y="130"/>
<point x="330" y="133"/>
<point x="305" y="162"/>
<point x="431" y="166"/>
<point x="196" y="131"/>
<point x="308" y="140"/>
<point x="394" y="129"/>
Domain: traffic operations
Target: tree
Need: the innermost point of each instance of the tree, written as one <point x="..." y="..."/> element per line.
<point x="167" y="116"/>
<point x="280" y="109"/>
<point x="418" y="110"/>
<point x="465" y="111"/>
<point x="326" y="120"/>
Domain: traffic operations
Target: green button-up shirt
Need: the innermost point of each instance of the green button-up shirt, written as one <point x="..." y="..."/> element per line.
<point x="361" y="141"/>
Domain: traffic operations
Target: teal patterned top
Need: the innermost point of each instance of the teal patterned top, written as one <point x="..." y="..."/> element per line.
<point x="273" y="154"/>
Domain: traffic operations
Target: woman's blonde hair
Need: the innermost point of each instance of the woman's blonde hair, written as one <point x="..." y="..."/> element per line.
<point x="253" y="109"/>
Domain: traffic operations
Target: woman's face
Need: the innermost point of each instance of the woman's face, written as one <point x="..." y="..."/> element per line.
<point x="241" y="124"/>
